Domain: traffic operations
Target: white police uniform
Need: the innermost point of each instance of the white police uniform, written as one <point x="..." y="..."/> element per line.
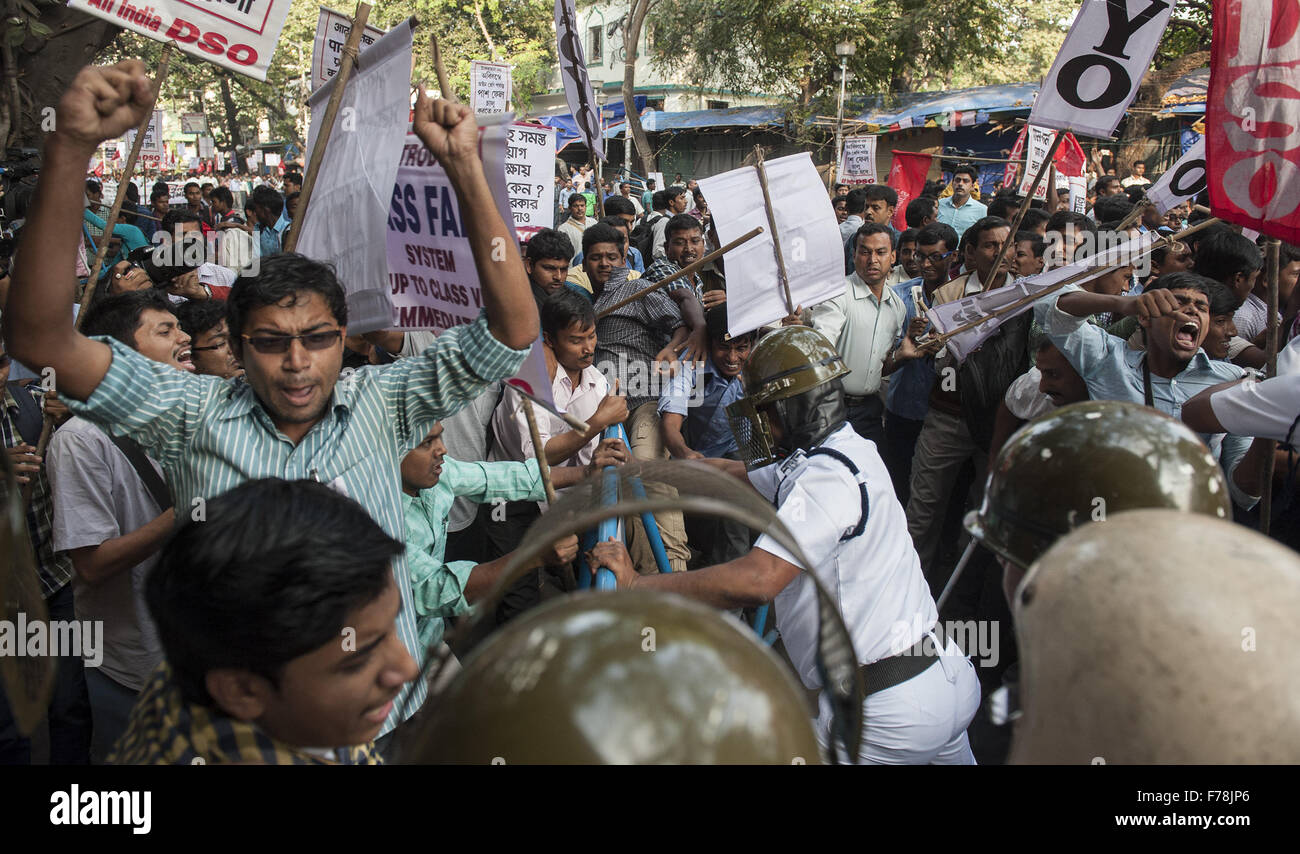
<point x="872" y="570"/>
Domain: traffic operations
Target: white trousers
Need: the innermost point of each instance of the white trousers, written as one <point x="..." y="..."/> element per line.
<point x="919" y="722"/>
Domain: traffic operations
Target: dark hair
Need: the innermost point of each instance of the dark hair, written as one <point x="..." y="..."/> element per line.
<point x="672" y="193"/>
<point x="132" y="193"/>
<point x="577" y="197"/>
<point x="602" y="233"/>
<point x="650" y="183"/>
<point x="1104" y="182"/>
<point x="616" y="205"/>
<point x="869" y="228"/>
<point x="981" y="225"/>
<point x="918" y="209"/>
<point x="658" y="201"/>
<point x="274" y="573"/>
<point x="198" y="316"/>
<point x="1139" y="163"/>
<point x="967" y="169"/>
<point x="856" y="201"/>
<point x="1033" y="218"/>
<point x="118" y="316"/>
<point x="1226" y="253"/>
<point x="266" y="196"/>
<point x="938" y="232"/>
<point x="1222" y="299"/>
<point x="881" y="193"/>
<point x="1111" y="208"/>
<point x="175" y="217"/>
<point x="194" y="184"/>
<point x="1037" y="244"/>
<point x="223" y="195"/>
<point x="564" y="308"/>
<point x="295" y="177"/>
<point x="1059" y="220"/>
<point x="908" y="235"/>
<point x="840" y="200"/>
<point x="1187" y="281"/>
<point x="682" y="222"/>
<point x="549" y="243"/>
<point x="283" y="277"/>
<point x="93" y="186"/>
<point x="159" y="193"/>
<point x="614" y="222"/>
<point x="715" y="322"/>
<point x="1287" y="253"/>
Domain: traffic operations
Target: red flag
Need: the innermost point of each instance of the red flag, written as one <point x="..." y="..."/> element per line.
<point x="1069" y="157"/>
<point x="1011" y="174"/>
<point x="907" y="177"/>
<point x="1252" y="133"/>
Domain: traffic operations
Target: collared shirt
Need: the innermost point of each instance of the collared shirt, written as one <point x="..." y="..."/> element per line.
<point x="211" y="435"/>
<point x="514" y="442"/>
<point x="708" y="430"/>
<point x="1113" y="371"/>
<point x="961" y="218"/>
<point x="54" y="569"/>
<point x="662" y="268"/>
<point x="1252" y="318"/>
<point x="574" y="230"/>
<point x="909" y="386"/>
<point x="438" y="586"/>
<point x="850" y="227"/>
<point x="631" y="336"/>
<point x="268" y="240"/>
<point x="864" y="329"/>
<point x="166" y="729"/>
<point x="1269" y="409"/>
<point x="876" y="575"/>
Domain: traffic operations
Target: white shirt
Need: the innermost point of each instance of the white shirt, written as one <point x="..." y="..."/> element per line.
<point x="660" y="230"/>
<point x="574" y="231"/>
<point x="864" y="329"/>
<point x="1024" y="399"/>
<point x="876" y="576"/>
<point x="1265" y="409"/>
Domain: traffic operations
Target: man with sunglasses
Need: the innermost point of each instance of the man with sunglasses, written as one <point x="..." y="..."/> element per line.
<point x="292" y="417"/>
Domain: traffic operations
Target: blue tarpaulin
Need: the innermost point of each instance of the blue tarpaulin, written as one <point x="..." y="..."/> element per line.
<point x="613" y="115"/>
<point x="1187" y="94"/>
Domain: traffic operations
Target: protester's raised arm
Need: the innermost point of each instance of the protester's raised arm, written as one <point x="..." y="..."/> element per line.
<point x="102" y="103"/>
<point x="451" y="134"/>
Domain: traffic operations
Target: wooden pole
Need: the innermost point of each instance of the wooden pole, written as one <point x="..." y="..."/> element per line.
<point x="1133" y="215"/>
<point x="540" y="452"/>
<point x="771" y="223"/>
<point x="346" y="63"/>
<point x="448" y="94"/>
<point x="689" y="270"/>
<point x="1271" y="266"/>
<point x="164" y="59"/>
<point x="1024" y="206"/>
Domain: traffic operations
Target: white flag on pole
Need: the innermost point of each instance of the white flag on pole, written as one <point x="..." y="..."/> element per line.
<point x="1182" y="181"/>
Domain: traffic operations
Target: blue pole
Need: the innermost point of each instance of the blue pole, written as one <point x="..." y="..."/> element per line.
<point x="760" y="619"/>
<point x="647" y="519"/>
<point x="609" y="527"/>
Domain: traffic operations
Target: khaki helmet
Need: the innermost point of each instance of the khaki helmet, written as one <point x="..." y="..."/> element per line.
<point x="796" y="368"/>
<point x="624" y="678"/>
<point x="1085" y="462"/>
<point x="1160" y="638"/>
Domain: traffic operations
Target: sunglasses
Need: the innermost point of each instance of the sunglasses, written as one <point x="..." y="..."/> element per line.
<point x="226" y="344"/>
<point x="126" y="272"/>
<point x="279" y="344"/>
<point x="936" y="259"/>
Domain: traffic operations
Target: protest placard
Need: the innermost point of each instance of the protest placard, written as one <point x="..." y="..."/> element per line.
<point x="151" y="150"/>
<point x="194" y="123"/>
<point x="237" y="34"/>
<point x="332" y="29"/>
<point x="1180" y="182"/>
<point x="529" y="170"/>
<point x="858" y="161"/>
<point x="489" y="87"/>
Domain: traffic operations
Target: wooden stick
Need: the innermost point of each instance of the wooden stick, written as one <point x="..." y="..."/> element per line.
<point x="782" y="275"/>
<point x="1133" y="215"/>
<point x="542" y="465"/>
<point x="1082" y="275"/>
<point x="1272" y="264"/>
<point x="346" y="63"/>
<point x="1024" y="206"/>
<point x="164" y="59"/>
<point x="689" y="270"/>
<point x="448" y="94"/>
<point x="575" y="423"/>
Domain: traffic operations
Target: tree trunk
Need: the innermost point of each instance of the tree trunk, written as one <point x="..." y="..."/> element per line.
<point x="46" y="71"/>
<point x="232" y="123"/>
<point x="1142" y="110"/>
<point x="631" y="35"/>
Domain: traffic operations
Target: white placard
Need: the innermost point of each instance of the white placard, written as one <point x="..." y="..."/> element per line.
<point x="433" y="283"/>
<point x="489" y="87"/>
<point x="194" y="123"/>
<point x="858" y="161"/>
<point x="577" y="84"/>
<point x="345" y="221"/>
<point x="1078" y="193"/>
<point x="206" y="147"/>
<point x="237" y="34"/>
<point x="151" y="150"/>
<point x="810" y="240"/>
<point x="1182" y="181"/>
<point x="1037" y="143"/>
<point x="332" y="31"/>
<point x="272" y="159"/>
<point x="529" y="167"/>
<point x="1101" y="65"/>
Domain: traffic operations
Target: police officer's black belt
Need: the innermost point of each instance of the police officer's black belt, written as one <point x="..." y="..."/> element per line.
<point x="897" y="669"/>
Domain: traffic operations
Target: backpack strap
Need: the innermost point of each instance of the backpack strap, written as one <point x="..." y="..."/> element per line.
<point x="862" y="487"/>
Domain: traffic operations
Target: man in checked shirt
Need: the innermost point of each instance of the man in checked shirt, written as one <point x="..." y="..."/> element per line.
<point x="291" y="417"/>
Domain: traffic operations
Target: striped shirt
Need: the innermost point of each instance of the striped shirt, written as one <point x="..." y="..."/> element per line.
<point x="53" y="568"/>
<point x="211" y="435"/>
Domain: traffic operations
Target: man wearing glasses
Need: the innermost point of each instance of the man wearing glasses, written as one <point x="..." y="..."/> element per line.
<point x="291" y="417"/>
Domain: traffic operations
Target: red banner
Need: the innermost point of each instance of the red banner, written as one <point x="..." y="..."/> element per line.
<point x="1069" y="157"/>
<point x="1252" y="130"/>
<point x="1011" y="174"/>
<point x="907" y="177"/>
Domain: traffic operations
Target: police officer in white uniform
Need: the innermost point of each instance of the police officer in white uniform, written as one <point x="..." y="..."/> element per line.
<point x="832" y="491"/>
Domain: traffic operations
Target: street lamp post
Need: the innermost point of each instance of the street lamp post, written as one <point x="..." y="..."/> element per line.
<point x="843" y="50"/>
<point x="597" y="165"/>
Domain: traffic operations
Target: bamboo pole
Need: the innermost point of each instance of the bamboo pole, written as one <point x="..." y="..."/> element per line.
<point x="1024" y="206"/>
<point x="440" y="70"/>
<point x="689" y="270"/>
<point x="543" y="467"/>
<point x="1266" y="496"/>
<point x="771" y="223"/>
<point x="346" y="64"/>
